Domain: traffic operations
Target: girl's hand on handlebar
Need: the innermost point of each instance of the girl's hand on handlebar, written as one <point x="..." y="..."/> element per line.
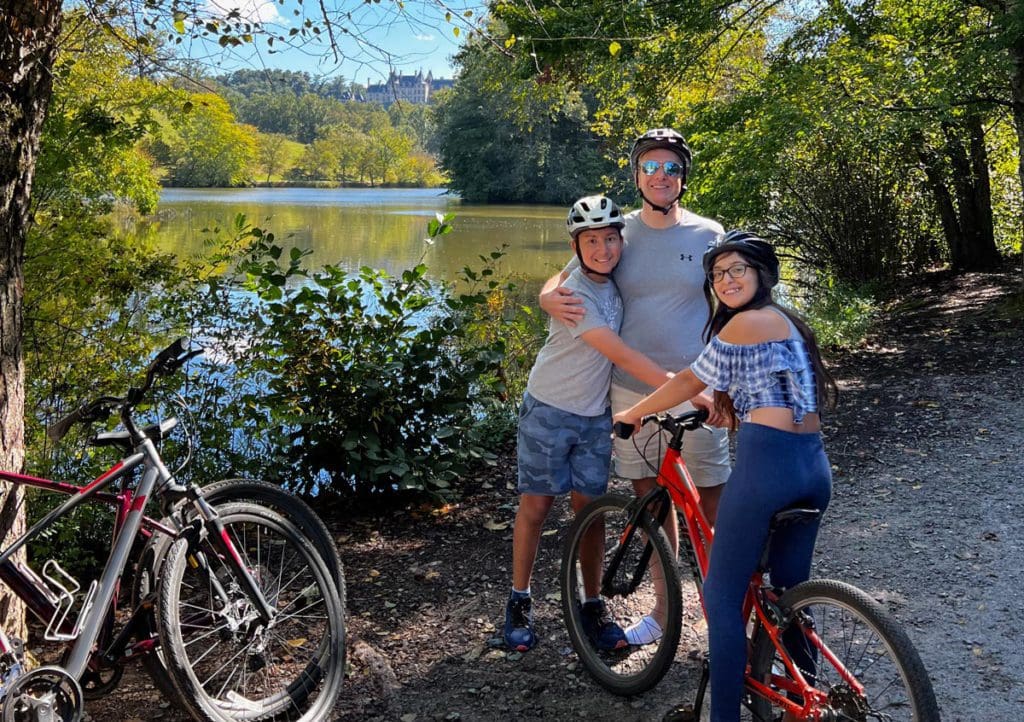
<point x="715" y="417"/>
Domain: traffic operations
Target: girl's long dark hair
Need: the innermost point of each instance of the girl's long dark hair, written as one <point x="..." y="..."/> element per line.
<point x="720" y="314"/>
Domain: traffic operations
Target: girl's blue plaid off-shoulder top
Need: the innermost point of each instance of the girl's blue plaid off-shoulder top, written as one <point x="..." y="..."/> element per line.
<point x="770" y="374"/>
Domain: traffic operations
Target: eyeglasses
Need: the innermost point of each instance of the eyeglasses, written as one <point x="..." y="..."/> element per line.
<point x="672" y="169"/>
<point x="736" y="270"/>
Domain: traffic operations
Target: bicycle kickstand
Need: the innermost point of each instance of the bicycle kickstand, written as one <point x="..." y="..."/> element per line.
<point x="687" y="712"/>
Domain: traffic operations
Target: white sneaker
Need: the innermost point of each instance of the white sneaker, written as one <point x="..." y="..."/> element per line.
<point x="646" y="631"/>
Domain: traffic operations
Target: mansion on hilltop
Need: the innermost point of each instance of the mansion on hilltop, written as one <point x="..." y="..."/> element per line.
<point x="416" y="88"/>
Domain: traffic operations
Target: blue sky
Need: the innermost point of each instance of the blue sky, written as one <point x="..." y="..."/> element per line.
<point x="410" y="36"/>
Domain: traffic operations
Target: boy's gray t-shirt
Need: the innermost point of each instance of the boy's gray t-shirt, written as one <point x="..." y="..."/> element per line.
<point x="661" y="281"/>
<point x="569" y="374"/>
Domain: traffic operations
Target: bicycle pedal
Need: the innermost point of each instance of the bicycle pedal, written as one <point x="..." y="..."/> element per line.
<point x="680" y="713"/>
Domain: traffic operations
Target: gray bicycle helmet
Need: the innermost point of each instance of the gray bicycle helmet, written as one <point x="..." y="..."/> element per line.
<point x="661" y="138"/>
<point x="593" y="212"/>
<point x="752" y="246"/>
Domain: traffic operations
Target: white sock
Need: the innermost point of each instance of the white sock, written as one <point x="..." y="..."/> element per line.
<point x="646" y="631"/>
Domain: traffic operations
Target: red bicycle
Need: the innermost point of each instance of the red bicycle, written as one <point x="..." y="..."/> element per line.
<point x="866" y="667"/>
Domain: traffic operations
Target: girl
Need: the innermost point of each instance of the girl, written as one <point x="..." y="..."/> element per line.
<point x="764" y="367"/>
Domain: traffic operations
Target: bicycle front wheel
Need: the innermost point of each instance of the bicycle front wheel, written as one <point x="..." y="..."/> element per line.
<point x="863" y="641"/>
<point x="640" y="580"/>
<point x="226" y="662"/>
<point x="218" y="493"/>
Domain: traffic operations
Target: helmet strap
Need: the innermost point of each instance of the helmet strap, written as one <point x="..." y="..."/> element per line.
<point x="665" y="210"/>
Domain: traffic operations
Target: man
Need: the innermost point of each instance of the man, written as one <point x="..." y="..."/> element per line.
<point x="660" y="278"/>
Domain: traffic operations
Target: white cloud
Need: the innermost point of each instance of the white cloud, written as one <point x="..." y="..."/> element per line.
<point x="253" y="11"/>
<point x="424" y="37"/>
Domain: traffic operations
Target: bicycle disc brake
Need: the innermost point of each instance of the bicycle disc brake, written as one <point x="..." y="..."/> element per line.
<point x="46" y="694"/>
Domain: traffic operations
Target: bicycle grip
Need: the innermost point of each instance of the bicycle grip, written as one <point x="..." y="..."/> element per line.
<point x="623" y="431"/>
<point x="57" y="430"/>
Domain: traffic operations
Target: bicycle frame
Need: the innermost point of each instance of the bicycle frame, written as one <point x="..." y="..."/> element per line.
<point x="129" y="521"/>
<point x="675" y="483"/>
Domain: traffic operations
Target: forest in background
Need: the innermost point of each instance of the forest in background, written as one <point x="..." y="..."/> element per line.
<point x="869" y="142"/>
<point x="193" y="129"/>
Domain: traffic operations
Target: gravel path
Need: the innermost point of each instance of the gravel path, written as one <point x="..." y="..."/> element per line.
<point x="928" y="450"/>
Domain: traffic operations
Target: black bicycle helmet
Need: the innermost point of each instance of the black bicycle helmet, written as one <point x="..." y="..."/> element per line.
<point x="661" y="138"/>
<point x="759" y="251"/>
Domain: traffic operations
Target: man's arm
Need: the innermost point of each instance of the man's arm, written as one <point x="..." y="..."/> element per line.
<point x="561" y="303"/>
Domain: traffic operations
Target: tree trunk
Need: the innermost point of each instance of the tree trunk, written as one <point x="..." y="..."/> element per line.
<point x="1017" y="107"/>
<point x="977" y="247"/>
<point x="985" y="245"/>
<point x="29" y="31"/>
<point x="940" y="193"/>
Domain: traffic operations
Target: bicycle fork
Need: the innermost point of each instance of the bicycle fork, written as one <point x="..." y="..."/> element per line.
<point x="218" y="536"/>
<point x="609" y="587"/>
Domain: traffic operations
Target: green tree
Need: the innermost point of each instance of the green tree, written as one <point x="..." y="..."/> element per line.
<point x="917" y="83"/>
<point x="505" y="139"/>
<point x="271" y="153"/>
<point x="319" y="161"/>
<point x="202" y="145"/>
<point x="388" y="149"/>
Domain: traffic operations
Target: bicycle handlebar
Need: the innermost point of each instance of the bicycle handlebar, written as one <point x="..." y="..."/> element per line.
<point x="164" y="363"/>
<point x="689" y="421"/>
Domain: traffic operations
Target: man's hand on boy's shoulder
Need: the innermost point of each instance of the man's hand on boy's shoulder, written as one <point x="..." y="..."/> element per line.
<point x="562" y="304"/>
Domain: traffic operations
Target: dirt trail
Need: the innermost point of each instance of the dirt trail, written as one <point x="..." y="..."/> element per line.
<point x="928" y="450"/>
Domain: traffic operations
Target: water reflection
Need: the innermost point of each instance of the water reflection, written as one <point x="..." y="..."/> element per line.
<point x="382" y="228"/>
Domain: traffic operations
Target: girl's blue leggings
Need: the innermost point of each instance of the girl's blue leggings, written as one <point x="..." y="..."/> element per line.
<point x="774" y="470"/>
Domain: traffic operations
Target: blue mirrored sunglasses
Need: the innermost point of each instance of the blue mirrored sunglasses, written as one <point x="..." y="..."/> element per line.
<point x="672" y="169"/>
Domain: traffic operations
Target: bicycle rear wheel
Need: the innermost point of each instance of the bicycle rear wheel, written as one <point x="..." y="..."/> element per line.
<point x="865" y="639"/>
<point x="222" y="659"/>
<point x="636" y="669"/>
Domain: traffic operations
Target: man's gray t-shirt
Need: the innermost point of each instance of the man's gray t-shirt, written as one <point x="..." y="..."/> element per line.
<point x="661" y="280"/>
<point x="569" y="374"/>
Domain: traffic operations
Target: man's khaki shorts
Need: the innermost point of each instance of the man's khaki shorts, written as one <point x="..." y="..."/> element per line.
<point x="706" y="453"/>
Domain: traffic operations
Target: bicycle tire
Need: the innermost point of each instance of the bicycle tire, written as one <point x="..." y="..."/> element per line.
<point x="867" y="640"/>
<point x="632" y="670"/>
<point x="225" y="491"/>
<point x="290" y="670"/>
<point x="287" y="505"/>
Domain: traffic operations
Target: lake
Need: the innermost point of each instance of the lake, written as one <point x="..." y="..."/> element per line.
<point x="382" y="228"/>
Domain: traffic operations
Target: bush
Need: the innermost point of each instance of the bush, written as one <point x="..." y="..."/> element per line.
<point x="840" y="314"/>
<point x="357" y="382"/>
<point x="844" y="209"/>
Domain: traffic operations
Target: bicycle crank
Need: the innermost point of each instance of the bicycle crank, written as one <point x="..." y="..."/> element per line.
<point x="46" y="694"/>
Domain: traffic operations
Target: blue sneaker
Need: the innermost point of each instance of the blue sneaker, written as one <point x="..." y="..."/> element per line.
<point x="601" y="630"/>
<point x="519" y="634"/>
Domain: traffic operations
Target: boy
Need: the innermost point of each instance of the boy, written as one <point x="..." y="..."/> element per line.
<point x="565" y="422"/>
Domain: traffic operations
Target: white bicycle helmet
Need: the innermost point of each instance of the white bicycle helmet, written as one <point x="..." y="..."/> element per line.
<point x="593" y="212"/>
